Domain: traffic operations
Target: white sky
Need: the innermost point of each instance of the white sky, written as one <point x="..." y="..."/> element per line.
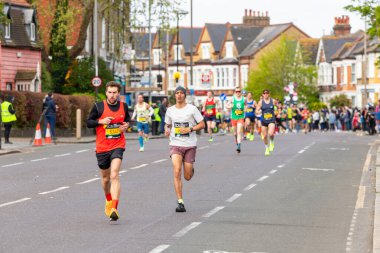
<point x="314" y="17"/>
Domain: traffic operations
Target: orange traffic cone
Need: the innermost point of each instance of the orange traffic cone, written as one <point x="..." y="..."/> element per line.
<point x="38" y="138"/>
<point x="48" y="135"/>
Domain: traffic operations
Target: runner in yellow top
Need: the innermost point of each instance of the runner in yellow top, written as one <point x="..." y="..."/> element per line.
<point x="143" y="111"/>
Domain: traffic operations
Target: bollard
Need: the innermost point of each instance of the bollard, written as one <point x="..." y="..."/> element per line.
<point x="79" y="124"/>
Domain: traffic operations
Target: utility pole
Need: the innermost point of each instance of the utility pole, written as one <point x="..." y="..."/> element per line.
<point x="364" y="65"/>
<point x="191" y="43"/>
<point x="95" y="43"/>
<point x="150" y="51"/>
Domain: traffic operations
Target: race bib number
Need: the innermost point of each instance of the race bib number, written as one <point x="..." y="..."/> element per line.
<point x="238" y="112"/>
<point x="178" y="126"/>
<point x="141" y="119"/>
<point x="113" y="131"/>
<point x="209" y="111"/>
<point x="249" y="110"/>
<point x="268" y="115"/>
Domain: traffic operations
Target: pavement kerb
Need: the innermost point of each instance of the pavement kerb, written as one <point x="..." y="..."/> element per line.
<point x="376" y="225"/>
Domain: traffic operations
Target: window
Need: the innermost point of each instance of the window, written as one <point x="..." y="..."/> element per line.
<point x="156" y="56"/>
<point x="371" y="66"/>
<point x="8" y="31"/>
<point x="235" y="77"/>
<point x="217" y="78"/>
<point x="353" y="72"/>
<point x="206" y="51"/>
<point x="229" y="49"/>
<point x="33" y="32"/>
<point x="179" y="52"/>
<point x="8" y="86"/>
<point x="227" y="77"/>
<point x="222" y="70"/>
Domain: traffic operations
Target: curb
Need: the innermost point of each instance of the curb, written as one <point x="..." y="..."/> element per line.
<point x="376" y="223"/>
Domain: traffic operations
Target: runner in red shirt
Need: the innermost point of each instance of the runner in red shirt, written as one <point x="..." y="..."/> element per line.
<point x="209" y="113"/>
<point x="111" y="119"/>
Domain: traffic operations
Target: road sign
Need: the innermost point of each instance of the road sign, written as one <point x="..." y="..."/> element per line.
<point x="205" y="79"/>
<point x="223" y="97"/>
<point x="96" y="81"/>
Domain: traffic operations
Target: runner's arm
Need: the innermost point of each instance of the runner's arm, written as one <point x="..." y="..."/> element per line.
<point x="151" y="111"/>
<point x="93" y="117"/>
<point x="258" y="107"/>
<point x="134" y="114"/>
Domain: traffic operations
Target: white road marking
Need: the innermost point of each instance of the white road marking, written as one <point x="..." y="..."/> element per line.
<point x="273" y="171"/>
<point x="40" y="159"/>
<point x="138" y="167"/>
<point x="159" y="161"/>
<point x="262" y="178"/>
<point x="12" y="164"/>
<point x="342" y="149"/>
<point x="222" y="251"/>
<point x="14" y="202"/>
<point x="213" y="211"/>
<point x="89" y="181"/>
<point x="281" y="166"/>
<point x="317" y="169"/>
<point x="81" y="151"/>
<point x="204" y="147"/>
<point x="62" y="155"/>
<point x="185" y="230"/>
<point x="249" y="187"/>
<point x="234" y="197"/>
<point x="361" y="197"/>
<point x="123" y="171"/>
<point x="55" y="190"/>
<point x="160" y="248"/>
<point x="301" y="151"/>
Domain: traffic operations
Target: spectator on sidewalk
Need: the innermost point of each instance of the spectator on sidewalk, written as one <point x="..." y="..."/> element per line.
<point x="50" y="114"/>
<point x="332" y="120"/>
<point x="8" y="116"/>
<point x="162" y="112"/>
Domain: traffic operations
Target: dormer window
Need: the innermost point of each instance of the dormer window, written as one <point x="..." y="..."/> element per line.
<point x="206" y="51"/>
<point x="229" y="49"/>
<point x="32" y="32"/>
<point x="177" y="57"/>
<point x="7" y="31"/>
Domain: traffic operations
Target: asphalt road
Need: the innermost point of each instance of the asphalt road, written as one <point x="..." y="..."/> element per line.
<point x="314" y="194"/>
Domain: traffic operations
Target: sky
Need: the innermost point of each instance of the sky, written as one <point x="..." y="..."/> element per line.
<point x="314" y="17"/>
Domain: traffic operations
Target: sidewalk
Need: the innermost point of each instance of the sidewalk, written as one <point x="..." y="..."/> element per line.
<point x="376" y="225"/>
<point x="26" y="144"/>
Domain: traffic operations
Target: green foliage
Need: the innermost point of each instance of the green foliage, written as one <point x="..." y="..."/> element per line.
<point x="3" y="18"/>
<point x="81" y="74"/>
<point x="46" y="79"/>
<point x="316" y="106"/>
<point x="278" y="68"/>
<point x="340" y="101"/>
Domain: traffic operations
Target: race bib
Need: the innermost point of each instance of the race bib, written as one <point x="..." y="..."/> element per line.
<point x="249" y="109"/>
<point x="209" y="111"/>
<point x="178" y="126"/>
<point x="268" y="115"/>
<point x="113" y="131"/>
<point x="238" y="112"/>
<point x="141" y="119"/>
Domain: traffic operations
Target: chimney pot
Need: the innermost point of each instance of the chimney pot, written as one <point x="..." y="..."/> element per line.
<point x="266" y="13"/>
<point x="250" y="12"/>
<point x="245" y="12"/>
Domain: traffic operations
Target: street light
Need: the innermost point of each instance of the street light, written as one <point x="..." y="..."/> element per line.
<point x="177" y="74"/>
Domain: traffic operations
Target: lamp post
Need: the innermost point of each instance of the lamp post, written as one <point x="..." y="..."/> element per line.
<point x="191" y="42"/>
<point x="177" y="74"/>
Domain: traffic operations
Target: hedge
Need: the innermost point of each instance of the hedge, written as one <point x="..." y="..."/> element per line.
<point x="28" y="106"/>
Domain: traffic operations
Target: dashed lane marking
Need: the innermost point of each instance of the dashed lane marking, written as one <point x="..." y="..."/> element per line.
<point x="61" y="155"/>
<point x="40" y="159"/>
<point x="204" y="147"/>
<point x="185" y="230"/>
<point x="249" y="187"/>
<point x="281" y="166"/>
<point x="89" y="181"/>
<point x="159" y="161"/>
<point x="273" y="171"/>
<point x="15" y="202"/>
<point x="213" y="211"/>
<point x="123" y="171"/>
<point x="55" y="190"/>
<point x="301" y="151"/>
<point x="234" y="197"/>
<point x="262" y="178"/>
<point x="317" y="169"/>
<point x="12" y="164"/>
<point x="138" y="167"/>
<point x="160" y="248"/>
<point x="81" y="151"/>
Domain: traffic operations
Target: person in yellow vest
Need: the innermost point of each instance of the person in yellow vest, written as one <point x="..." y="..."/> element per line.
<point x="8" y="116"/>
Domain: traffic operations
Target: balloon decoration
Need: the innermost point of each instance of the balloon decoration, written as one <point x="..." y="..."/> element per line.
<point x="292" y="96"/>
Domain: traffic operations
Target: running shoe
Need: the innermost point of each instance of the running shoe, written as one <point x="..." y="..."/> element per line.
<point x="248" y="136"/>
<point x="267" y="152"/>
<point x="211" y="139"/>
<point x="141" y="149"/>
<point x="271" y="146"/>
<point x="108" y="207"/>
<point x="180" y="208"/>
<point x="114" y="216"/>
<point x="146" y="139"/>
<point x="252" y="137"/>
<point x="238" y="149"/>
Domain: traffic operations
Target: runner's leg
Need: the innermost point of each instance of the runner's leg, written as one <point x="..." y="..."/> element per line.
<point x="177" y="169"/>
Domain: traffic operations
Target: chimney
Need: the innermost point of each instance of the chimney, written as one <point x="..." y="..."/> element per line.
<point x="342" y="26"/>
<point x="258" y="18"/>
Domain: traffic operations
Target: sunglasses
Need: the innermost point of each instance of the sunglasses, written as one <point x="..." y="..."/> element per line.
<point x="237" y="91"/>
<point x="266" y="92"/>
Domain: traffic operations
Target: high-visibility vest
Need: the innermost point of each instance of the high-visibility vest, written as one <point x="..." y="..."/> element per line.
<point x="6" y="116"/>
<point x="157" y="114"/>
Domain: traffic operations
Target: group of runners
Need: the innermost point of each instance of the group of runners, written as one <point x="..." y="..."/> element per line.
<point x="111" y="120"/>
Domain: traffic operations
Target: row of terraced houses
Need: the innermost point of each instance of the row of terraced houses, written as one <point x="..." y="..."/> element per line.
<point x="223" y="54"/>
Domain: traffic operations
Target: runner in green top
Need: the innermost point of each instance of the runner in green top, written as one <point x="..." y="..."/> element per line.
<point x="237" y="115"/>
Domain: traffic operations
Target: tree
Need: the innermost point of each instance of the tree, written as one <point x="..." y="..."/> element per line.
<point x="370" y="11"/>
<point x="3" y="18"/>
<point x="340" y="101"/>
<point x="280" y="66"/>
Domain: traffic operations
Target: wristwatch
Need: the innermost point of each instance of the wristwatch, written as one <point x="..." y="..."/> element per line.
<point x="191" y="129"/>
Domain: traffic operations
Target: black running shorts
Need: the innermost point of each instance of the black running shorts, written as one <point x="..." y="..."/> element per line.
<point x="105" y="158"/>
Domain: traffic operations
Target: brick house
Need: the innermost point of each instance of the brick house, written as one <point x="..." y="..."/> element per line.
<point x="20" y="53"/>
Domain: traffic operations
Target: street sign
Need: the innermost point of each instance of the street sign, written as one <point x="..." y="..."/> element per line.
<point x="223" y="97"/>
<point x="96" y="81"/>
<point x="205" y="78"/>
